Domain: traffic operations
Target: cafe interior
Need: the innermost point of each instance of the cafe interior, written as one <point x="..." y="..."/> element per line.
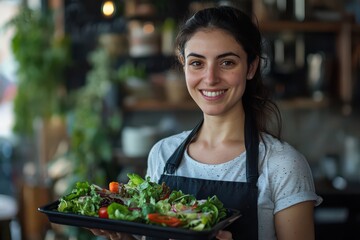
<point x="88" y="86"/>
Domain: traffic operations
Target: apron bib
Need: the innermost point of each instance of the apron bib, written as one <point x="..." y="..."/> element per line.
<point x="237" y="195"/>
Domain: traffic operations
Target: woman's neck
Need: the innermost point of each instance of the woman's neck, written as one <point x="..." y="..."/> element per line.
<point x="220" y="129"/>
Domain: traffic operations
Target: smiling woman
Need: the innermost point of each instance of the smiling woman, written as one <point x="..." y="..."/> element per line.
<point x="234" y="152"/>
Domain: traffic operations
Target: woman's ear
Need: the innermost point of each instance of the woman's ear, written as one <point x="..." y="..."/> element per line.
<point x="252" y="68"/>
<point x="181" y="60"/>
<point x="180" y="57"/>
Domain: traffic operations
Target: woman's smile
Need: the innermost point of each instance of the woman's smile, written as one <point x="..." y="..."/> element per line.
<point x="212" y="94"/>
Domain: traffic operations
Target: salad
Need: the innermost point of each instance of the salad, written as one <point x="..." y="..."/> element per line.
<point x="143" y="201"/>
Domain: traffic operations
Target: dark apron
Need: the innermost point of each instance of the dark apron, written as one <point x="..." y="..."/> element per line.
<point x="237" y="195"/>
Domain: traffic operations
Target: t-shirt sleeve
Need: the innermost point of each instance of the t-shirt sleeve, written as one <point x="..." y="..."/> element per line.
<point x="154" y="164"/>
<point x="291" y="179"/>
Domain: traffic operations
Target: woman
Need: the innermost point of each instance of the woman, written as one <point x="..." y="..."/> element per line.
<point x="232" y="153"/>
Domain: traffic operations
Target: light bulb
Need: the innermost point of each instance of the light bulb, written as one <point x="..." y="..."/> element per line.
<point x="108" y="8"/>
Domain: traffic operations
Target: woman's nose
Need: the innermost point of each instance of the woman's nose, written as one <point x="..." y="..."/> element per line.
<point x="211" y="75"/>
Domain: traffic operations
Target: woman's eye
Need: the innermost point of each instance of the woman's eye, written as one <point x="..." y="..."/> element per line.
<point x="227" y="63"/>
<point x="195" y="63"/>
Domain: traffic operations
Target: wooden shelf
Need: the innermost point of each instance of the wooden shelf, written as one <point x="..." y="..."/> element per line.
<point x="356" y="28"/>
<point x="302" y="103"/>
<point x="313" y="26"/>
<point x="155" y="105"/>
<point x="158" y="105"/>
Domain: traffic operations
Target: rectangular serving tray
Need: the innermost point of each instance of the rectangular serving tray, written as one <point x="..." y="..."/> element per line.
<point x="135" y="228"/>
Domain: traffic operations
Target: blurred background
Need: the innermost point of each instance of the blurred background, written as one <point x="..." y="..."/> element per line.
<point x="88" y="86"/>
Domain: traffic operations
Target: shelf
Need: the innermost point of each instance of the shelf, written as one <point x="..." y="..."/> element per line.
<point x="302" y="103"/>
<point x="313" y="26"/>
<point x="158" y="105"/>
<point x="356" y="28"/>
<point x="325" y="186"/>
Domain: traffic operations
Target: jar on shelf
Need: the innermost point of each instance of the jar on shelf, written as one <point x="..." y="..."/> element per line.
<point x="137" y="141"/>
<point x="115" y="44"/>
<point x="175" y="87"/>
<point x="168" y="35"/>
<point x="144" y="38"/>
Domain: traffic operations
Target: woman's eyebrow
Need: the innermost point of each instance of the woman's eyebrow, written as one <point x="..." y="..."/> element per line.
<point x="227" y="54"/>
<point x="218" y="57"/>
<point x="195" y="55"/>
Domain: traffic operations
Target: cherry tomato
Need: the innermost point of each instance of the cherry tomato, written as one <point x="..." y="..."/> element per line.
<point x="103" y="212"/>
<point x="163" y="219"/>
<point x="114" y="187"/>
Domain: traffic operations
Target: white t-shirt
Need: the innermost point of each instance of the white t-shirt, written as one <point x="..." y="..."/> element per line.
<point x="285" y="177"/>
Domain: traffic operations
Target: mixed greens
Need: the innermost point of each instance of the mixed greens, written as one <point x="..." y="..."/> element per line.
<point x="141" y="200"/>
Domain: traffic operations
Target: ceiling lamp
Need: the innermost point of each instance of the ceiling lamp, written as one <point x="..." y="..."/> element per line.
<point x="108" y="9"/>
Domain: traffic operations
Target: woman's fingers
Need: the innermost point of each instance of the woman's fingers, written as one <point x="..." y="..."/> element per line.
<point x="96" y="232"/>
<point x="110" y="235"/>
<point x="224" y="235"/>
<point x="115" y="236"/>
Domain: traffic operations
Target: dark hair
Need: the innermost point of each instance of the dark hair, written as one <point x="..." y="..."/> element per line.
<point x="256" y="98"/>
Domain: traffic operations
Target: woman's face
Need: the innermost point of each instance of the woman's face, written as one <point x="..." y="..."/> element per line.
<point x="216" y="71"/>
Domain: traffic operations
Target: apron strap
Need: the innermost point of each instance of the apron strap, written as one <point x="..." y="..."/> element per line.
<point x="252" y="150"/>
<point x="175" y="159"/>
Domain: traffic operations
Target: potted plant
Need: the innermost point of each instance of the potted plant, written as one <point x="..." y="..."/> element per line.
<point x="42" y="58"/>
<point x="134" y="80"/>
<point x="96" y="121"/>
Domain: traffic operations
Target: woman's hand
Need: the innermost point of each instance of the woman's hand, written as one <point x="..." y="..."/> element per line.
<point x="224" y="235"/>
<point x="111" y="235"/>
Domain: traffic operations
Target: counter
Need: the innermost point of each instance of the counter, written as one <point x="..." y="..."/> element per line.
<point x="338" y="216"/>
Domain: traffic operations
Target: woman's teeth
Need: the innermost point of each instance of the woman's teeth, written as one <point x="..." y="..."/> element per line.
<point x="213" y="93"/>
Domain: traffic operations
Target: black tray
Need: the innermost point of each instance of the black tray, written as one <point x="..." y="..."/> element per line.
<point x="135" y="228"/>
